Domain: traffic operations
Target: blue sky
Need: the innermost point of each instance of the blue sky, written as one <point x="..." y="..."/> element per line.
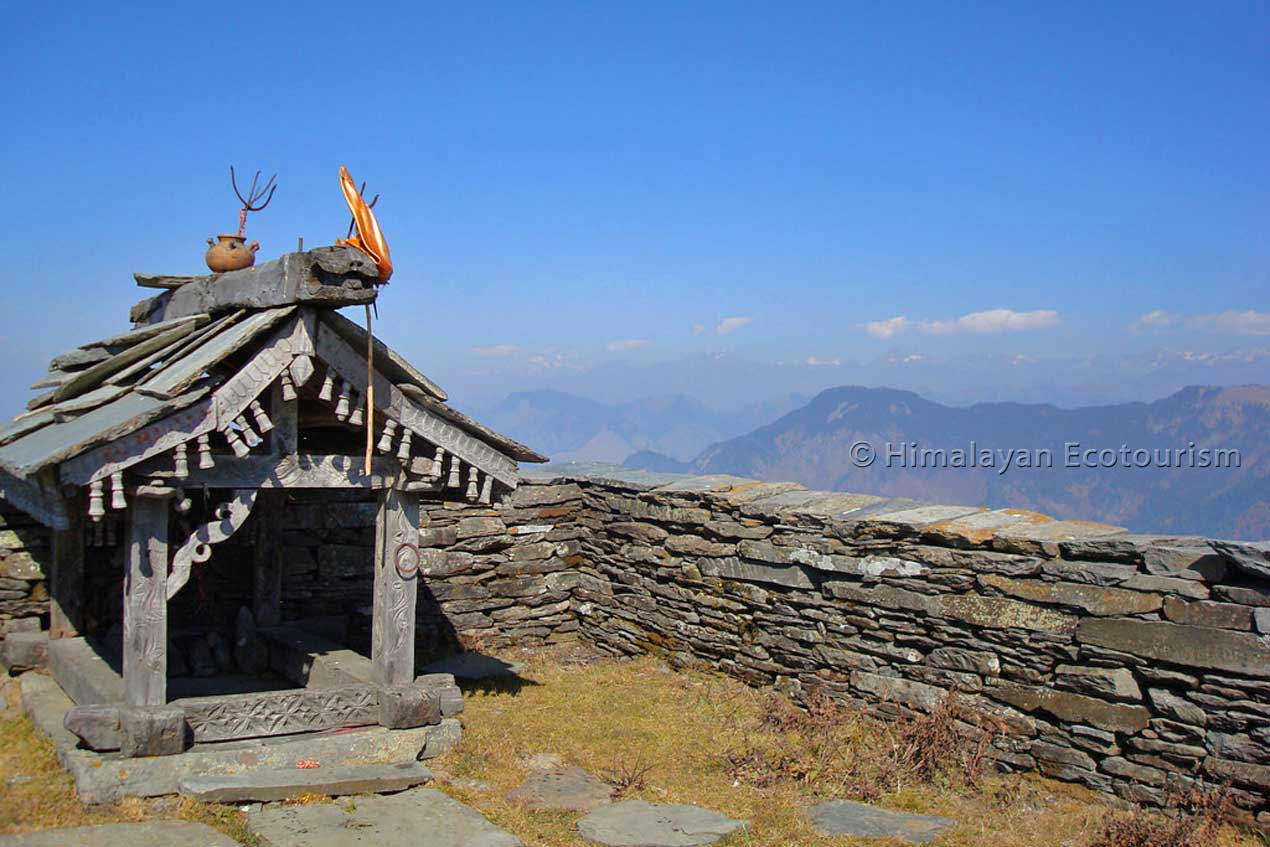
<point x="577" y="186"/>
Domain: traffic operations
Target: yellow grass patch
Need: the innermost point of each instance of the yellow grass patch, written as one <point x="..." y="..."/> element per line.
<point x="611" y="718"/>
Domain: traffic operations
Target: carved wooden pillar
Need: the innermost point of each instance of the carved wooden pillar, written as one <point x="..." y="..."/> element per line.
<point x="145" y="603"/>
<point x="396" y="584"/>
<point x="66" y="582"/>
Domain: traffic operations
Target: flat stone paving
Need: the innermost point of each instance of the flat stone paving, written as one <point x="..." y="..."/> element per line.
<point x="561" y="787"/>
<point x="843" y="817"/>
<point x="154" y="834"/>
<point x="270" y="785"/>
<point x="421" y="817"/>
<point x="637" y="823"/>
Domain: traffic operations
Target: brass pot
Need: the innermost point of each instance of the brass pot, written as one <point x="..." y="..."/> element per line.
<point x="230" y="253"/>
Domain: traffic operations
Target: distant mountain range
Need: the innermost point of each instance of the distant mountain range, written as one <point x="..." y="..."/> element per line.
<point x="919" y="438"/>
<point x="571" y="428"/>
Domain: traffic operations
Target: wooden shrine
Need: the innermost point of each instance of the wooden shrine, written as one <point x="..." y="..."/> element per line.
<point x="229" y="390"/>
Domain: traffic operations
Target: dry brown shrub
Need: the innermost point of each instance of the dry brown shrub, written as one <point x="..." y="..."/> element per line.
<point x="628" y="775"/>
<point x="1192" y="819"/>
<point x="834" y="749"/>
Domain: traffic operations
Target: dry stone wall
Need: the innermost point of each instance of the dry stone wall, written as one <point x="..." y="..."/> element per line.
<point x="24" y="555"/>
<point x="1127" y="663"/>
<point x="493" y="575"/>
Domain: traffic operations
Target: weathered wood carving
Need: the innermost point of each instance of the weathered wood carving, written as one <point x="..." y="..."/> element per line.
<point x="393" y="616"/>
<point x="211" y="413"/>
<point x="350" y="367"/>
<point x="281" y="713"/>
<point x="145" y="603"/>
<point x="198" y="547"/>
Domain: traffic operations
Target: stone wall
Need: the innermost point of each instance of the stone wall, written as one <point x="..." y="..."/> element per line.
<point x="24" y="554"/>
<point x="1127" y="663"/>
<point x="493" y="574"/>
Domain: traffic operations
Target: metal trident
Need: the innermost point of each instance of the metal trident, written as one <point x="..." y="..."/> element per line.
<point x="253" y="197"/>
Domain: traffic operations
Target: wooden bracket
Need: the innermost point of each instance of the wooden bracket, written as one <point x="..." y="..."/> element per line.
<point x="198" y="547"/>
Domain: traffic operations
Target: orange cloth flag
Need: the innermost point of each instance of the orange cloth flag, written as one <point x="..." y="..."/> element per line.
<point x="369" y="239"/>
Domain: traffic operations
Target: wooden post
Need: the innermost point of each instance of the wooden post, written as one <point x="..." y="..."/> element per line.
<point x="392" y="647"/>
<point x="266" y="594"/>
<point x="66" y="582"/>
<point x="285" y="423"/>
<point x="145" y="604"/>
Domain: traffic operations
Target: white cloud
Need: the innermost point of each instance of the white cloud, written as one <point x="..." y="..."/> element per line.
<point x="1157" y="319"/>
<point x="993" y="321"/>
<point x="697" y="329"/>
<point x="496" y="350"/>
<point x="823" y="363"/>
<point x="550" y="360"/>
<point x="627" y="344"/>
<point x="1248" y="322"/>
<point x="732" y="325"/>
<point x="887" y="328"/>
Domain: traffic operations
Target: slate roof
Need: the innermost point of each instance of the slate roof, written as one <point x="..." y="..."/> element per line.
<point x="106" y="389"/>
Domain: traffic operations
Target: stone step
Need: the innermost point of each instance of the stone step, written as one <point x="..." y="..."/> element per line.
<point x="265" y="786"/>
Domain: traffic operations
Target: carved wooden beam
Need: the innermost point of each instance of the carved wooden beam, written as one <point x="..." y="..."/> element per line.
<point x="198" y="547"/>
<point x="351" y="367"/>
<point x="30" y="497"/>
<point x="295" y="471"/>
<point x="270" y="713"/>
<point x="327" y="276"/>
<point x="215" y="412"/>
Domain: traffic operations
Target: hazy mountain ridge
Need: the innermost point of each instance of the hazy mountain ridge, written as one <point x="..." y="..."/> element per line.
<point x="572" y="428"/>
<point x="811" y="445"/>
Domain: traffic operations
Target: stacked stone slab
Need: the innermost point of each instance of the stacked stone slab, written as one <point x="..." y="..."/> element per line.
<point x="1127" y="663"/>
<point x="24" y="552"/>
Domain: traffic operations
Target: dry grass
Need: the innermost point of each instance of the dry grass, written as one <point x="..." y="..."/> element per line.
<point x="36" y="793"/>
<point x="691" y="728"/>
<point x="1193" y="821"/>
<point x="830" y="749"/>
<point x="671" y="737"/>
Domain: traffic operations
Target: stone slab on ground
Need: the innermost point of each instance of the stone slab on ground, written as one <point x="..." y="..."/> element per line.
<point x="843" y="817"/>
<point x="78" y="666"/>
<point x="474" y="666"/>
<point x="421" y="817"/>
<point x="637" y="823"/>
<point x="269" y="785"/>
<point x="105" y="777"/>
<point x="24" y="651"/>
<point x="153" y="834"/>
<point x="562" y="787"/>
